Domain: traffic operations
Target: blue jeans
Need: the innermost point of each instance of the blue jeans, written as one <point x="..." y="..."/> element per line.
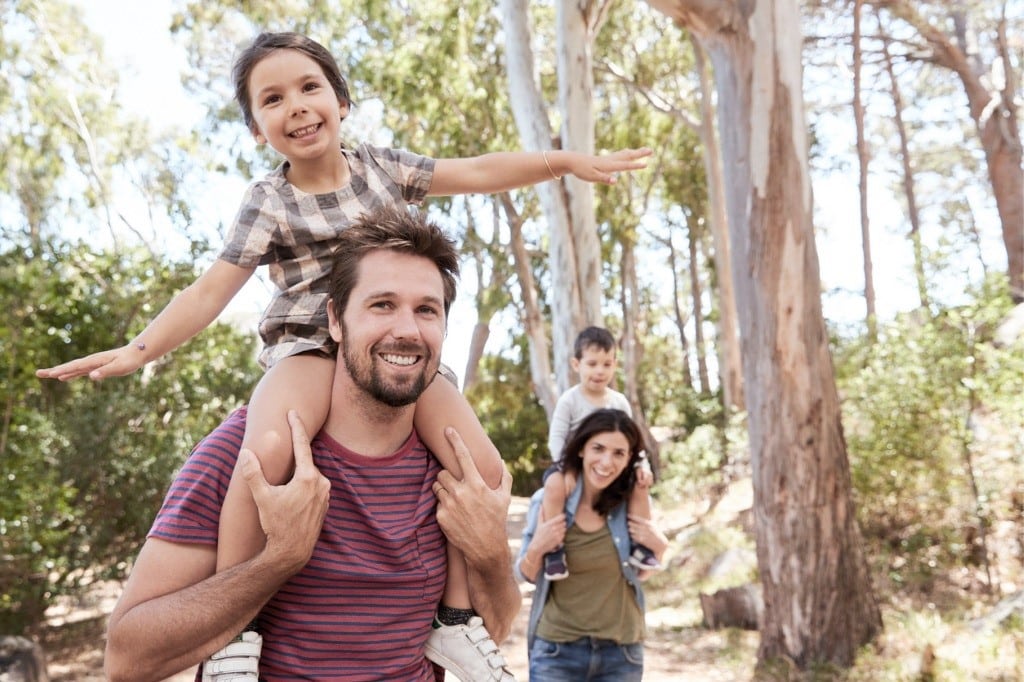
<point x="586" y="660"/>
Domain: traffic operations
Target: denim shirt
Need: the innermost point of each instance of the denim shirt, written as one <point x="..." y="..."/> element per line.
<point x="620" y="536"/>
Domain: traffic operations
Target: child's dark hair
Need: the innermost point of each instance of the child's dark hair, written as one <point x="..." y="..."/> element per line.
<point x="593" y="336"/>
<point x="605" y="421"/>
<point x="266" y="43"/>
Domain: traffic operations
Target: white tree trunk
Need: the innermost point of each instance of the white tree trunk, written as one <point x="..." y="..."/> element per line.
<point x="568" y="205"/>
<point x="730" y="368"/>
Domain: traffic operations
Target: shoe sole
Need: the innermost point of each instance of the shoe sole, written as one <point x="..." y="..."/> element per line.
<point x="448" y="664"/>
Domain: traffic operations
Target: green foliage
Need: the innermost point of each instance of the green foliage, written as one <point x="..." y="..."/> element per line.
<point x="912" y="404"/>
<point x="515" y="421"/>
<point x="86" y="465"/>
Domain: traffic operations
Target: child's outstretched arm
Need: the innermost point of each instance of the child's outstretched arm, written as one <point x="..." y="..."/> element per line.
<point x="502" y="171"/>
<point x="188" y="313"/>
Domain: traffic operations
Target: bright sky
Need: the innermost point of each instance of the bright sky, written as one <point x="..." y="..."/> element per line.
<point x="150" y="62"/>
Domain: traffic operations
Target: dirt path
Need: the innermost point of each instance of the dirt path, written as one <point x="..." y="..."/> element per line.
<point x="673" y="653"/>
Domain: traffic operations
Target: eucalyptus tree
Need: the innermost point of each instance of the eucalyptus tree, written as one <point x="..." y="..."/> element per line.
<point x="979" y="43"/>
<point x="819" y="604"/>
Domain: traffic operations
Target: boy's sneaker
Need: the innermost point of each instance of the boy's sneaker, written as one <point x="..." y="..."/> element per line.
<point x="468" y="652"/>
<point x="644" y="559"/>
<point x="554" y="565"/>
<point x="239" y="661"/>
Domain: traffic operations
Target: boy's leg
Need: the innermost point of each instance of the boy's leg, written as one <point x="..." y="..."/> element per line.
<point x="459" y="642"/>
<point x="301" y="383"/>
<point x="639" y="504"/>
<point x="552" y="505"/>
<point x="442" y="405"/>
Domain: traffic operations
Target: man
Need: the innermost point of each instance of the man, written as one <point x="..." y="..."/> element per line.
<point x="354" y="561"/>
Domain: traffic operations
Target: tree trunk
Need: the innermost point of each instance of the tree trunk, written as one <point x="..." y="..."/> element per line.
<point x="863" y="159"/>
<point x="913" y="215"/>
<point x="533" y="322"/>
<point x="696" y="294"/>
<point x="632" y="348"/>
<point x="730" y="368"/>
<point x="819" y="604"/>
<point x="568" y="204"/>
<point x="679" y="317"/>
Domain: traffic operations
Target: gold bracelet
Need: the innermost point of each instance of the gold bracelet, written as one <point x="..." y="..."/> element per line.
<point x="547" y="163"/>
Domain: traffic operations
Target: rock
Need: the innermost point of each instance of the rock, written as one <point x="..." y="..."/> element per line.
<point x="733" y="607"/>
<point x="21" y="660"/>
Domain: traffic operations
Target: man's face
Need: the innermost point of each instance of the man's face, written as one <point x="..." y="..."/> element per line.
<point x="393" y="326"/>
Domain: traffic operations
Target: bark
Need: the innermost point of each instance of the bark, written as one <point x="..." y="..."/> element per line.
<point x="994" y="112"/>
<point x="819" y="604"/>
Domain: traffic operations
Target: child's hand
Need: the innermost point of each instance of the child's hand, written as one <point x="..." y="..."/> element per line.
<point x="602" y="168"/>
<point x="644" y="475"/>
<point x="108" y="363"/>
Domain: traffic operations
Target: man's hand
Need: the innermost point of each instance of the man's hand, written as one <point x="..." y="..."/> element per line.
<point x="291" y="514"/>
<point x="471" y="514"/>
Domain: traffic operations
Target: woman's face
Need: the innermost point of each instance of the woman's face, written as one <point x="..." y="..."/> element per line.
<point x="605" y="456"/>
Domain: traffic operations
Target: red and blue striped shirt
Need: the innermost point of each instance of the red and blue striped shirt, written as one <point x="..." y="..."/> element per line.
<point x="361" y="608"/>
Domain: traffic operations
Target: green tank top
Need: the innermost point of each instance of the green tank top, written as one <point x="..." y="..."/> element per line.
<point x="595" y="600"/>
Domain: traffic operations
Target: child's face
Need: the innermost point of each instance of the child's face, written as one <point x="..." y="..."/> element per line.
<point x="294" y="108"/>
<point x="596" y="368"/>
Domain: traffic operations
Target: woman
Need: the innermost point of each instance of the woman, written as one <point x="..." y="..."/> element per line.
<point x="590" y="626"/>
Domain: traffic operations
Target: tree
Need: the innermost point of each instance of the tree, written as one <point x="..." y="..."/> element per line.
<point x="85" y="465"/>
<point x="991" y="87"/>
<point x="819" y="605"/>
<point x="567" y="203"/>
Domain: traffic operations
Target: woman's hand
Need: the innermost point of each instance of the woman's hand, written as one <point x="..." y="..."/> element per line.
<point x="645" y="532"/>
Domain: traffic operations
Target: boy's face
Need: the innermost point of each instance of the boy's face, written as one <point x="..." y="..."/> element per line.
<point x="596" y="368"/>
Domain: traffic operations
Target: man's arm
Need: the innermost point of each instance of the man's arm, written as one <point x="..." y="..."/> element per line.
<point x="474" y="518"/>
<point x="175" y="611"/>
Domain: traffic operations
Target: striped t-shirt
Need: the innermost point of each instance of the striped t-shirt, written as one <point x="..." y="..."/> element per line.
<point x="361" y="608"/>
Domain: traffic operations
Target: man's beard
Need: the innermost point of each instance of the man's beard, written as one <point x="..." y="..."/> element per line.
<point x="367" y="377"/>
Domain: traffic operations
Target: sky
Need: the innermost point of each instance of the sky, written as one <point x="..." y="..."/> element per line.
<point x="149" y="62"/>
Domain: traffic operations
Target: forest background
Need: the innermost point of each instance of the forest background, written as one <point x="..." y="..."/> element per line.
<point x="104" y="216"/>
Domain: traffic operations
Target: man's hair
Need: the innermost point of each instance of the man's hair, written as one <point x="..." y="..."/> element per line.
<point x="267" y="43"/>
<point x="593" y="336"/>
<point x="391" y="228"/>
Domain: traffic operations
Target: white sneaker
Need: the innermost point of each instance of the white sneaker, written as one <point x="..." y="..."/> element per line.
<point x="239" y="661"/>
<point x="468" y="652"/>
